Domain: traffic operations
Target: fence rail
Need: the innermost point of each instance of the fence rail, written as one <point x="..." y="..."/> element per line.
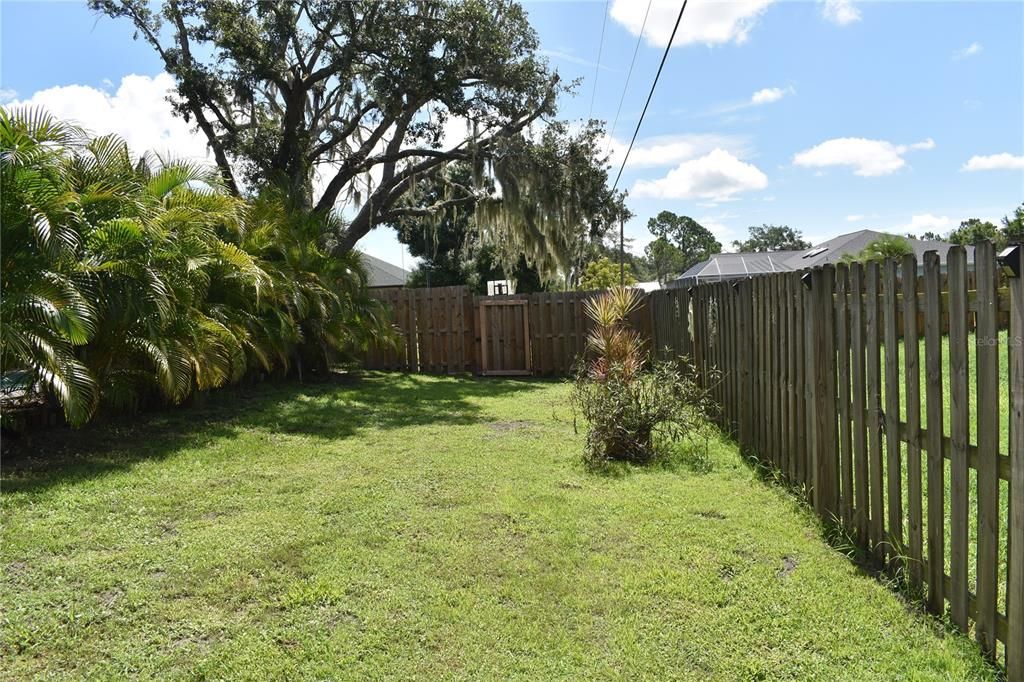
<point x="892" y="392"/>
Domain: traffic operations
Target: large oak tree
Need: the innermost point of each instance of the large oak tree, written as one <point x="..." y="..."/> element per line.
<point x="356" y="99"/>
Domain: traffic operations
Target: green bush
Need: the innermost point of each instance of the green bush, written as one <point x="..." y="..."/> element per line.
<point x="128" y="279"/>
<point x="635" y="409"/>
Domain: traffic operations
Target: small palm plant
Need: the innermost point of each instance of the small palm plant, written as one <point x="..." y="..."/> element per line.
<point x="617" y="349"/>
<point x="633" y="407"/>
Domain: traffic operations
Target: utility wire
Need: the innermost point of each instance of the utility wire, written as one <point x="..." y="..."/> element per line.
<point x="650" y="94"/>
<point x="639" y="38"/>
<point x="597" y="67"/>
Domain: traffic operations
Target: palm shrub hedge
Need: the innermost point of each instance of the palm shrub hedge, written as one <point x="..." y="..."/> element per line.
<point x="127" y="279"/>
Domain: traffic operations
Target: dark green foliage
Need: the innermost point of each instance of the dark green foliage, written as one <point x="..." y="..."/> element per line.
<point x="666" y="259"/>
<point x="1013" y="226"/>
<point x="693" y="241"/>
<point x="974" y="230"/>
<point x="131" y="279"/>
<point x="641" y="419"/>
<point x="772" y="238"/>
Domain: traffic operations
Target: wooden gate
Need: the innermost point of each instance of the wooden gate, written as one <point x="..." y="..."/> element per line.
<point x="505" y="347"/>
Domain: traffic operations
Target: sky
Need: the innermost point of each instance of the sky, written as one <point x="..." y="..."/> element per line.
<point x="827" y="116"/>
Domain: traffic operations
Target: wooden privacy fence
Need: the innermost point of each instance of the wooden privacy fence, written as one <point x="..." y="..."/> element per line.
<point x="892" y="392"/>
<point x="845" y="380"/>
<point x="448" y="330"/>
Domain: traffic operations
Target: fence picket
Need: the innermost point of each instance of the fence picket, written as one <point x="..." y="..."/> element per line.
<point x="1015" y="554"/>
<point x="843" y="387"/>
<point x="987" y="358"/>
<point x="933" y="407"/>
<point x="876" y="471"/>
<point x="792" y="440"/>
<point x="959" y="410"/>
<point x="912" y="380"/>
<point x="893" y="465"/>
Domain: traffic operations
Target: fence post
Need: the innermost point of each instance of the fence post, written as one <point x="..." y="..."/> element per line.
<point x="1015" y="553"/>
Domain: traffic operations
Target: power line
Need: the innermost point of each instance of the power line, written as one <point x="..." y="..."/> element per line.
<point x="650" y="94"/>
<point x="640" y="37"/>
<point x="597" y="67"/>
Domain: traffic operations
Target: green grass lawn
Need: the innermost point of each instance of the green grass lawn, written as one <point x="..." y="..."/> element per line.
<point x="434" y="528"/>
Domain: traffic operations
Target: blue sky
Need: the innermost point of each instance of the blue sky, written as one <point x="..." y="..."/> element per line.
<point x="826" y="116"/>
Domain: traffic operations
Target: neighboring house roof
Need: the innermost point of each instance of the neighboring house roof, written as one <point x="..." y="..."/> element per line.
<point x="723" y="266"/>
<point x="833" y="250"/>
<point x="727" y="265"/>
<point x="382" y="273"/>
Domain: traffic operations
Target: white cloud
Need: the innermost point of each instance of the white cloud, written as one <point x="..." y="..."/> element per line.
<point x="969" y="51"/>
<point x="7" y="94"/>
<point x="867" y="157"/>
<point x="667" y="150"/>
<point x="717" y="175"/>
<point x="855" y="218"/>
<point x="710" y="23"/>
<point x="767" y="95"/>
<point x="928" y="223"/>
<point x="1004" y="161"/>
<point x="840" y="12"/>
<point x="138" y="111"/>
<point x="761" y="97"/>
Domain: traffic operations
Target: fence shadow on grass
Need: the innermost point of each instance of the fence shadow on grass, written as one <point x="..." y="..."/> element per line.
<point x="329" y="410"/>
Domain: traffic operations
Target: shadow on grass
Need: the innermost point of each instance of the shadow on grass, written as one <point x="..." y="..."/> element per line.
<point x="328" y="409"/>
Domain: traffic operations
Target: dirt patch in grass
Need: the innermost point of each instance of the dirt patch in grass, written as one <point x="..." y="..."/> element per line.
<point x="110" y="597"/>
<point x="503" y="427"/>
<point x="16" y="568"/>
<point x="789" y="565"/>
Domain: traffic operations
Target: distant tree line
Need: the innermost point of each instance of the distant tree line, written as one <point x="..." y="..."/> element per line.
<point x="974" y="230"/>
<point x="452" y="251"/>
